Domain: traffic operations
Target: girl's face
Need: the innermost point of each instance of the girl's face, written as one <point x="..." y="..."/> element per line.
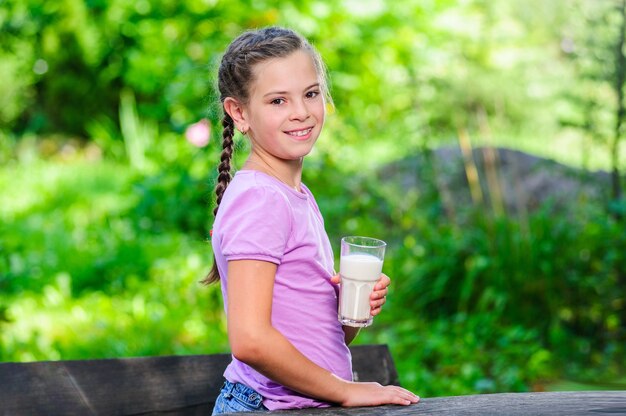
<point x="286" y="110"/>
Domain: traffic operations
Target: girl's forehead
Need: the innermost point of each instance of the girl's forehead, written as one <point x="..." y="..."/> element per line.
<point x="290" y="72"/>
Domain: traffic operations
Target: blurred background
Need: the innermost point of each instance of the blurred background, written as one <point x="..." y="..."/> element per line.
<point x="482" y="139"/>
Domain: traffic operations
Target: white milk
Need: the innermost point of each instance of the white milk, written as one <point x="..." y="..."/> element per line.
<point x="359" y="274"/>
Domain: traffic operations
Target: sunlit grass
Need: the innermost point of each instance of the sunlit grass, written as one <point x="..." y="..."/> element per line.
<point x="169" y="314"/>
<point x="94" y="187"/>
<point x="66" y="224"/>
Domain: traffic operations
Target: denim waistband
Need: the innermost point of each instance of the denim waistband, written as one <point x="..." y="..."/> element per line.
<point x="243" y="393"/>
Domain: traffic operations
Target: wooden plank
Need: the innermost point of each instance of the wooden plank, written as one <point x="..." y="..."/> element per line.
<point x="172" y="385"/>
<point x="175" y="384"/>
<point x="510" y="404"/>
<point x="26" y="389"/>
<point x="374" y="363"/>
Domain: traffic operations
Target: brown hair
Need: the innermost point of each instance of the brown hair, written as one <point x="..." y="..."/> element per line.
<point x="235" y="77"/>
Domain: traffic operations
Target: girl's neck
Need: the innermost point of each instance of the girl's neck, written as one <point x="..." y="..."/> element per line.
<point x="288" y="172"/>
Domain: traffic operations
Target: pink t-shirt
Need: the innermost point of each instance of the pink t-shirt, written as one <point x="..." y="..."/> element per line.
<point x="261" y="218"/>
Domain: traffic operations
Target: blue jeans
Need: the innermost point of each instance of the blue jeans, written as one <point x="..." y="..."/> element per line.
<point x="237" y="397"/>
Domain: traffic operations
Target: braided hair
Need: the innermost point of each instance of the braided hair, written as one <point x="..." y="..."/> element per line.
<point x="235" y="77"/>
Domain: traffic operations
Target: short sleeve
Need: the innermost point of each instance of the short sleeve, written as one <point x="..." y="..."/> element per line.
<point x="255" y="225"/>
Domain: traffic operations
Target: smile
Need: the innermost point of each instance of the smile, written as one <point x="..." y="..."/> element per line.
<point x="299" y="133"/>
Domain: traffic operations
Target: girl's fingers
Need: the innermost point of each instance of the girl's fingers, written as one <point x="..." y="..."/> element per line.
<point x="403" y="396"/>
<point x="378" y="294"/>
<point x="376" y="306"/>
<point x="407" y="395"/>
<point x="383" y="282"/>
<point x="377" y="303"/>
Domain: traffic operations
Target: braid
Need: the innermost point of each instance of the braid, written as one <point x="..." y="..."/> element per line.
<point x="223" y="179"/>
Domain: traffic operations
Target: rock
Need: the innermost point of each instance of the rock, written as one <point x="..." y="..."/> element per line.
<point x="506" y="181"/>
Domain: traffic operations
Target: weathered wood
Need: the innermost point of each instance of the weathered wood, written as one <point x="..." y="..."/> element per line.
<point x="374" y="363"/>
<point x="188" y="385"/>
<point x="113" y="386"/>
<point x="172" y="385"/>
<point x="509" y="404"/>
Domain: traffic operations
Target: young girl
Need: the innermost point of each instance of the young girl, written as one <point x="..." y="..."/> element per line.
<point x="271" y="250"/>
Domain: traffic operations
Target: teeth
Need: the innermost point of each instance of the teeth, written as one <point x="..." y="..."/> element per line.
<point x="300" y="133"/>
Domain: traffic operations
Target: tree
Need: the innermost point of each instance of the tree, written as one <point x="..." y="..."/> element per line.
<point x="595" y="45"/>
<point x="620" y="76"/>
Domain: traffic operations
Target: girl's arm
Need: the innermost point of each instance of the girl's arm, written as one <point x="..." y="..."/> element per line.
<point x="256" y="342"/>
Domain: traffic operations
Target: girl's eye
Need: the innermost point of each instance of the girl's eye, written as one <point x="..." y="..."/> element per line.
<point x="312" y="94"/>
<point x="277" y="101"/>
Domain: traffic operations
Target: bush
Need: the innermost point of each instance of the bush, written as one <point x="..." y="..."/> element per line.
<point x="483" y="302"/>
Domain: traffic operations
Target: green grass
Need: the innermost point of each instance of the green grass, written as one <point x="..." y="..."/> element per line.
<point x="81" y="277"/>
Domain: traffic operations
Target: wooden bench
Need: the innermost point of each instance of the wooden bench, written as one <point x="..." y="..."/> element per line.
<point x="171" y="385"/>
<point x="188" y="385"/>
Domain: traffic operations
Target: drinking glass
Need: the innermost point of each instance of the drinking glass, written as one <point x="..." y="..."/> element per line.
<point x="360" y="266"/>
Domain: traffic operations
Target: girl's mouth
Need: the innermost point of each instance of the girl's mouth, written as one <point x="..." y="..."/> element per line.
<point x="300" y="133"/>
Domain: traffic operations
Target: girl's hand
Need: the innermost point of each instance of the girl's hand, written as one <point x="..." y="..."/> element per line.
<point x="378" y="296"/>
<point x="373" y="394"/>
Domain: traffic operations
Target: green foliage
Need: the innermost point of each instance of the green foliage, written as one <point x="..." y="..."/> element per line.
<point x="407" y="70"/>
<point x="481" y="302"/>
<point x="70" y="60"/>
<point x="102" y="221"/>
<point x="99" y="260"/>
<point x="105" y="209"/>
<point x="163" y="316"/>
<point x="465" y="354"/>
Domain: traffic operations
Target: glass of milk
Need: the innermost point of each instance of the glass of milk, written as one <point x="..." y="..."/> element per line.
<point x="360" y="266"/>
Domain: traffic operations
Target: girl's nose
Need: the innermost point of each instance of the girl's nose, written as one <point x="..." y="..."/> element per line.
<point x="300" y="111"/>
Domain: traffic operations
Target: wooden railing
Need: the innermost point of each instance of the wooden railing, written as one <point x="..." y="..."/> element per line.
<point x="588" y="403"/>
<point x="188" y="385"/>
<point x="172" y="385"/>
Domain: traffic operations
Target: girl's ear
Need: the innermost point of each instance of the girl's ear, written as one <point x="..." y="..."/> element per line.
<point x="236" y="111"/>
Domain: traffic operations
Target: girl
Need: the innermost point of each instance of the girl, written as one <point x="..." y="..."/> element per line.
<point x="271" y="251"/>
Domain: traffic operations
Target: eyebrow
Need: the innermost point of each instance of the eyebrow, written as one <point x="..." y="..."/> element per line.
<point x="317" y="84"/>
